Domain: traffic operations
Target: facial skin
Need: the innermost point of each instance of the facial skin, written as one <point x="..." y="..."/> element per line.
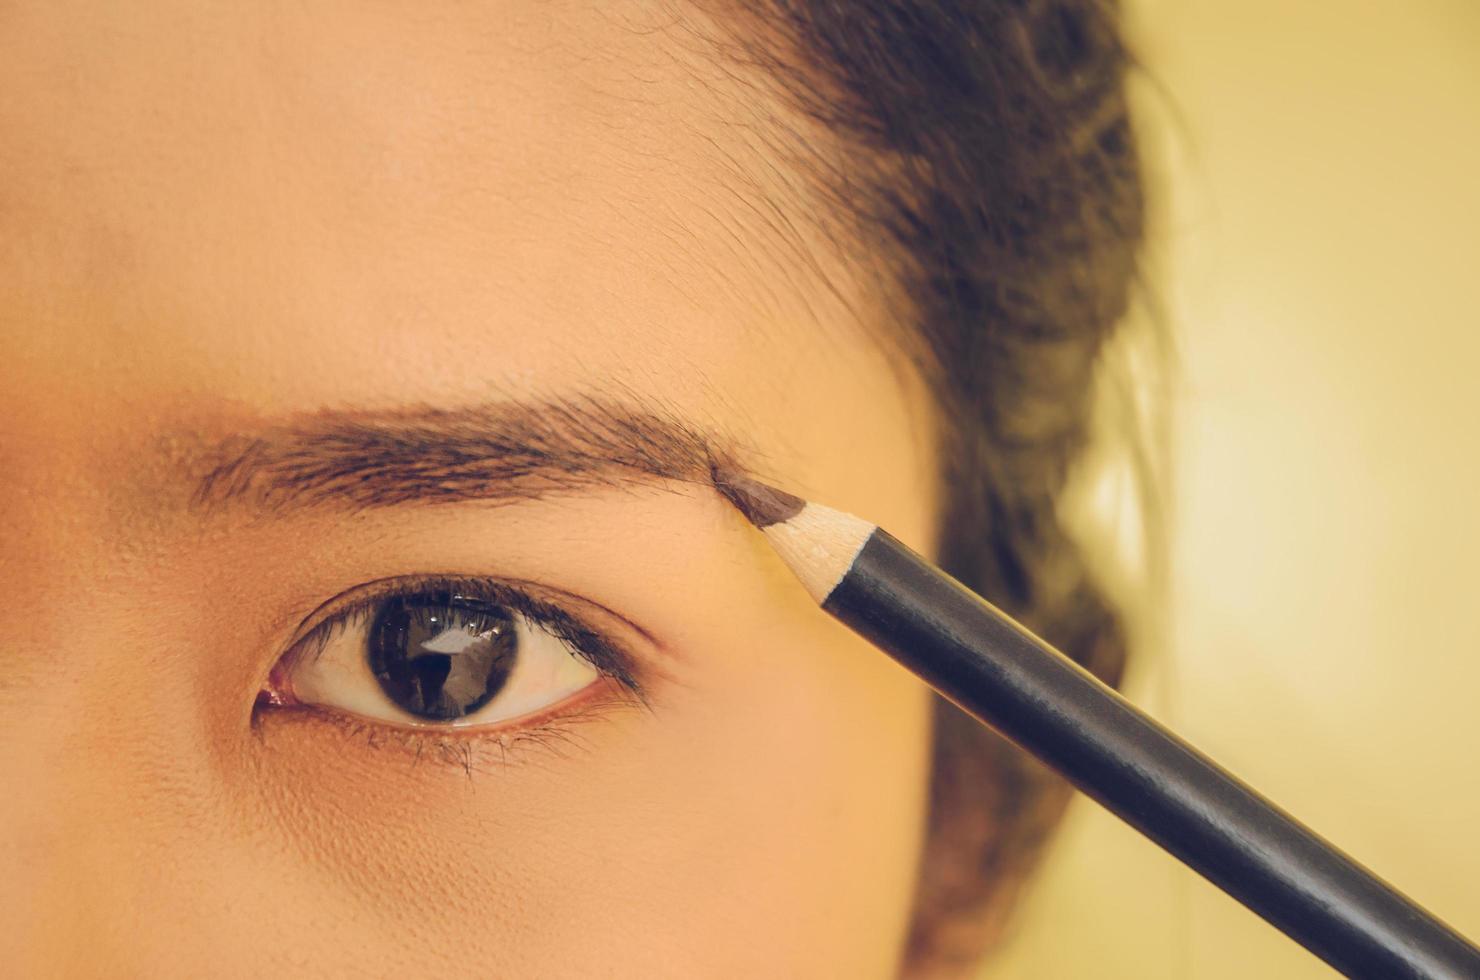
<point x="219" y="222"/>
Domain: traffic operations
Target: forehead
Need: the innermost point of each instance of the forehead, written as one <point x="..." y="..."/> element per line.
<point x="212" y="211"/>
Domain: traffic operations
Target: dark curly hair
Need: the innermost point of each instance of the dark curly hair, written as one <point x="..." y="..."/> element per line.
<point x="981" y="158"/>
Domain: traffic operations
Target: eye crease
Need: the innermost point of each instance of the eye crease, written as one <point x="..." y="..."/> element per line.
<point x="438" y="656"/>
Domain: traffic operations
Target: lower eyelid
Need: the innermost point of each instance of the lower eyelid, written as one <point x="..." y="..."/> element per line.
<point x="471" y="748"/>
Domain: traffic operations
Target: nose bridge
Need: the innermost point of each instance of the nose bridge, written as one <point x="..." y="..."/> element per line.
<point x="55" y="879"/>
<point x="56" y="888"/>
<point x="107" y="792"/>
<point x="95" y="797"/>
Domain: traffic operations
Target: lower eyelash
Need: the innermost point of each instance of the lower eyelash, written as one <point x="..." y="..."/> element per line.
<point x="483" y="750"/>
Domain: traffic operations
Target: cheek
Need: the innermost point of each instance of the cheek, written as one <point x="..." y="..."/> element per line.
<point x="815" y="754"/>
<point x="767" y="814"/>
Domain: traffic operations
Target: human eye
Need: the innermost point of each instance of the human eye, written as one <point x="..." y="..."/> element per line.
<point x="435" y="661"/>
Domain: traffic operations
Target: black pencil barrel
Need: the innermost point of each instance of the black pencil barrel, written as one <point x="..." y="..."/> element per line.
<point x="1001" y="673"/>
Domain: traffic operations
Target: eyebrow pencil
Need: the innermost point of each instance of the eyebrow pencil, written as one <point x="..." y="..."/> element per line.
<point x="999" y="672"/>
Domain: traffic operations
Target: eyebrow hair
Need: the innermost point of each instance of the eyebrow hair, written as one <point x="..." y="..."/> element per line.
<point x="502" y="452"/>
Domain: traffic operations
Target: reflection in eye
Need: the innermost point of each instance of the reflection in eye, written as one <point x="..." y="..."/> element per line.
<point x="442" y="655"/>
<point x="446" y="653"/>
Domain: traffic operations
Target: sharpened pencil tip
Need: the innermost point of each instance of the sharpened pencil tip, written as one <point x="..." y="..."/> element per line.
<point x="761" y="504"/>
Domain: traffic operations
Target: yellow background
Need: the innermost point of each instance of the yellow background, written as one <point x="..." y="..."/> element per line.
<point x="1321" y="269"/>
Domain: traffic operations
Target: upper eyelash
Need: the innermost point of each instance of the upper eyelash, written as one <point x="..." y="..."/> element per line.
<point x="604" y="654"/>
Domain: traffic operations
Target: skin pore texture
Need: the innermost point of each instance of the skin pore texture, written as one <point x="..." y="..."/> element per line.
<point x="296" y="298"/>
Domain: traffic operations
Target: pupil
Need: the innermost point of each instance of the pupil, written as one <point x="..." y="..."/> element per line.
<point x="439" y="655"/>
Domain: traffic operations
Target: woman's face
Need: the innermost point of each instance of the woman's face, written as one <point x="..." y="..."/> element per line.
<point x="285" y="291"/>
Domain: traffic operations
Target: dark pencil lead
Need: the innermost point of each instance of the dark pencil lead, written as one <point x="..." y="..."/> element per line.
<point x="761" y="504"/>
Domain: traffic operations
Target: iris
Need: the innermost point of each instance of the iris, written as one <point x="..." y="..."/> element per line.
<point x="442" y="655"/>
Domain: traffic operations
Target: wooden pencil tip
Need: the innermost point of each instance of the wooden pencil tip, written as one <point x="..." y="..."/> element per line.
<point x="761" y="504"/>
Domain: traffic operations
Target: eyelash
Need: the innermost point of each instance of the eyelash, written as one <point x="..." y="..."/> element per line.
<point x="618" y="668"/>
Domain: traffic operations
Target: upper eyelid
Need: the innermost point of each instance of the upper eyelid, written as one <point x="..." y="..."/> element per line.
<point x="616" y="656"/>
<point x="611" y="656"/>
<point x="342" y="606"/>
<point x="362" y="602"/>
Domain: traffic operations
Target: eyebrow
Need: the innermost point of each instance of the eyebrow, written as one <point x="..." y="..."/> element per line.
<point x="502" y="452"/>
